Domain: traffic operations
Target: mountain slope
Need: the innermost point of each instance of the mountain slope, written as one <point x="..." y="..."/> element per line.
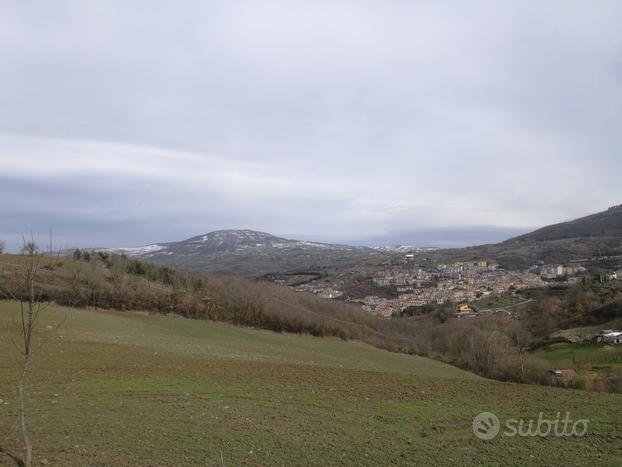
<point x="593" y="239"/>
<point x="602" y="224"/>
<point x="246" y="252"/>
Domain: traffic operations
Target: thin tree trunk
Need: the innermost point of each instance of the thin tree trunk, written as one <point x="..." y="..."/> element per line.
<point x="522" y="365"/>
<point x="22" y="402"/>
<point x="474" y="356"/>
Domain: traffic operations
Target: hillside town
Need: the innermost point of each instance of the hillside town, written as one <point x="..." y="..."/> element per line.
<point x="458" y="283"/>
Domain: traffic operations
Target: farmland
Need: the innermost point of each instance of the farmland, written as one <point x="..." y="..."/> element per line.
<point x="110" y="388"/>
<point x="582" y="355"/>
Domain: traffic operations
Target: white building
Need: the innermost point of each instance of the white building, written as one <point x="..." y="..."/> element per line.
<point x="609" y="336"/>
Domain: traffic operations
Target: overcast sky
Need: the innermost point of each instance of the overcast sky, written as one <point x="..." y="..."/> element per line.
<point x="125" y="123"/>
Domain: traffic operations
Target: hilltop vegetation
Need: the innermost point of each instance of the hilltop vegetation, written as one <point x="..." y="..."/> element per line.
<point x="603" y="224"/>
<point x="593" y="237"/>
<point x="132" y="389"/>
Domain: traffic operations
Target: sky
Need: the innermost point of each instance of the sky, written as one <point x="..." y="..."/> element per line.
<point x="429" y="123"/>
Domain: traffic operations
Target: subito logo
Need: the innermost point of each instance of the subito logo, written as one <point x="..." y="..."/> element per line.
<point x="486" y="426"/>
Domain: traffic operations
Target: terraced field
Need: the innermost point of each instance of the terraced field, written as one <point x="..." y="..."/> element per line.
<point x="116" y="389"/>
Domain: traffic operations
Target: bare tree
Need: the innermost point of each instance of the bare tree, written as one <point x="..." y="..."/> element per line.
<point x="2" y="245"/>
<point x="26" y="288"/>
<point x="74" y="266"/>
<point x="95" y="279"/>
<point x="30" y="308"/>
<point x="521" y="339"/>
<point x="28" y="295"/>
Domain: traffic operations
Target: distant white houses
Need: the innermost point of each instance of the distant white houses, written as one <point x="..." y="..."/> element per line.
<point x="609" y="336"/>
<point x="557" y="271"/>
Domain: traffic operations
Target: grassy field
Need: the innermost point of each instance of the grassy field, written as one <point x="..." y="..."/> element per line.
<point x="582" y="355"/>
<point x="116" y="389"/>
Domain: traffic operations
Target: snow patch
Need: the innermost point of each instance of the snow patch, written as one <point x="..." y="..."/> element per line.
<point x="138" y="251"/>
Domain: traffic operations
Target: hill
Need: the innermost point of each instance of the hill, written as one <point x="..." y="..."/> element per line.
<point x="601" y="225"/>
<point x="595" y="240"/>
<point x="247" y="253"/>
<point x="112" y="388"/>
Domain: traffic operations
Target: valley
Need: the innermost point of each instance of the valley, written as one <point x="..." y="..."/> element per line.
<point x="389" y="280"/>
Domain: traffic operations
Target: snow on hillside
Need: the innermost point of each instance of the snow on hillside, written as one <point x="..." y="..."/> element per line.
<point x="223" y="242"/>
<point x="136" y="251"/>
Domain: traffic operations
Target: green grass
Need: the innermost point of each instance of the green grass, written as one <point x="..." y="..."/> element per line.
<point x="202" y="339"/>
<point x="115" y="389"/>
<point x="582" y="354"/>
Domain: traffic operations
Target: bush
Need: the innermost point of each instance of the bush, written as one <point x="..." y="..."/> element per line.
<point x="136" y="267"/>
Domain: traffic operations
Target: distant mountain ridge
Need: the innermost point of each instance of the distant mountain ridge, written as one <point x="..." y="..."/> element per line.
<point x="244" y="252"/>
<point x="230" y="241"/>
<point x="252" y="253"/>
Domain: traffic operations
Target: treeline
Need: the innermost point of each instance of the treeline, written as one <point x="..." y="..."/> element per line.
<point x="494" y="347"/>
<point x="565" y="307"/>
<point x="108" y="281"/>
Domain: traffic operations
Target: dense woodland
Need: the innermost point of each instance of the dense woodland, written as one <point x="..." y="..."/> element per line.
<point x="495" y="346"/>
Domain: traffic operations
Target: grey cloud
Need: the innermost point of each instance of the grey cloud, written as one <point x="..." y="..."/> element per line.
<point x="343" y="119"/>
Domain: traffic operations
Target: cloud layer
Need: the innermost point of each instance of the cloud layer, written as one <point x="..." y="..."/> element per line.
<point x="125" y="123"/>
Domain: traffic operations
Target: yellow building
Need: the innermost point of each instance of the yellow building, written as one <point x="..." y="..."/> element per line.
<point x="464" y="308"/>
